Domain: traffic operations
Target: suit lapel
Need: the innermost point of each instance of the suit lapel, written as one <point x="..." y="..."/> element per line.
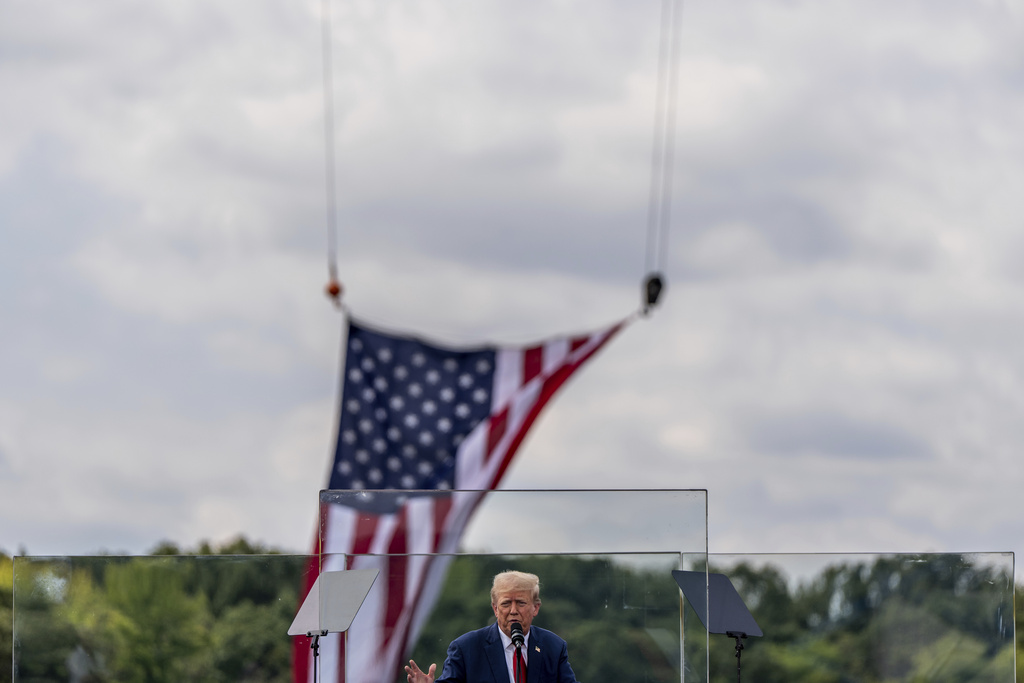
<point x="533" y="666"/>
<point x="496" y="656"/>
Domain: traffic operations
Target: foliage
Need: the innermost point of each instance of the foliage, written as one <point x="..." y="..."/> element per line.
<point x="6" y="616"/>
<point x="902" y="618"/>
<point x="207" y="615"/>
<point x="220" y="614"/>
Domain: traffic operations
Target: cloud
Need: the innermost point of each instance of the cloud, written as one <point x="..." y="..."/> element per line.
<point x="159" y="475"/>
<point x="835" y="358"/>
<point x="833" y="434"/>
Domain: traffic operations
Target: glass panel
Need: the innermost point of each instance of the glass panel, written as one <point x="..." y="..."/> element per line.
<point x="870" y="617"/>
<point x="547" y="522"/>
<point x="559" y="529"/>
<point x="619" y="614"/>
<point x="155" y="618"/>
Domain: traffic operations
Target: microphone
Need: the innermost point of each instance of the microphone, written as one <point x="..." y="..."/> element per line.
<point x="517" y="634"/>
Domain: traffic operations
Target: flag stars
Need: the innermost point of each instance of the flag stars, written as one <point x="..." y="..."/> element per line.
<point x="404" y="406"/>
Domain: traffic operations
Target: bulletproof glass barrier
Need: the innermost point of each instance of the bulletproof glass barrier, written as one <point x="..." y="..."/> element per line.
<point x="939" y="617"/>
<point x="226" y="618"/>
<point x="604" y="558"/>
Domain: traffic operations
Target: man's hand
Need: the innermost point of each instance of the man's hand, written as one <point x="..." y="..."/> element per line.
<point x="415" y="675"/>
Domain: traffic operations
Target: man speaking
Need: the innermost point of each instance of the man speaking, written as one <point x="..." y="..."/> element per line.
<point x="511" y="650"/>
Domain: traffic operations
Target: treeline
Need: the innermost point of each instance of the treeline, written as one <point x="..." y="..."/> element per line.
<point x="218" y="614"/>
<point x="221" y="614"/>
<point x="936" y="618"/>
<point x="908" y="618"/>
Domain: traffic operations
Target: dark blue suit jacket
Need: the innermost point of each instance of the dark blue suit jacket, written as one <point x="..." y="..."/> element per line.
<point x="478" y="657"/>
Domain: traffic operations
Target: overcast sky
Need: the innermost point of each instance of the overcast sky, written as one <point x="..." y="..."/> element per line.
<point x="838" y="358"/>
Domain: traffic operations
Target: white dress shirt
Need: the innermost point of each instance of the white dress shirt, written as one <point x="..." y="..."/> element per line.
<point x="510" y="653"/>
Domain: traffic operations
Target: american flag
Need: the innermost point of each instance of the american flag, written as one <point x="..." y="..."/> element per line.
<point x="424" y="431"/>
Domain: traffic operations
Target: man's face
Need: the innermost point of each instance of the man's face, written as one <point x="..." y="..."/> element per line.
<point x="512" y="606"/>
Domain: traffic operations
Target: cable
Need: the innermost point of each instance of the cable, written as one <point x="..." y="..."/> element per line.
<point x="659" y="207"/>
<point x="333" y="288"/>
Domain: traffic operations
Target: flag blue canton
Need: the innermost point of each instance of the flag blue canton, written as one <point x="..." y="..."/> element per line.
<point x="406" y="408"/>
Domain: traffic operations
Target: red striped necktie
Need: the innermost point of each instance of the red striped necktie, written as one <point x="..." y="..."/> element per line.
<point x="519" y="665"/>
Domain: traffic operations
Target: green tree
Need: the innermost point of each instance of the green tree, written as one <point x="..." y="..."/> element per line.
<point x="206" y="617"/>
<point x="45" y="639"/>
<point x="220" y="614"/>
<point x="900" y="618"/>
<point x="6" y="617"/>
<point x="161" y="630"/>
<point x="1018" y="618"/>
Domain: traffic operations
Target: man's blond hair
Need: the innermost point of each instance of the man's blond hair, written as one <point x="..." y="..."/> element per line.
<point x="515" y="581"/>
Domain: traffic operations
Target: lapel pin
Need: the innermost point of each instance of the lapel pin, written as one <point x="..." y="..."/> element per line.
<point x="537" y="648"/>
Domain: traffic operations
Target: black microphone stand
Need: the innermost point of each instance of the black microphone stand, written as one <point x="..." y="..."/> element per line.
<point x="315" y="646"/>
<point x="739" y="649"/>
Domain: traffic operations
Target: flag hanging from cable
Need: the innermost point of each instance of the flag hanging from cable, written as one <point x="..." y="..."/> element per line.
<point x="424" y="430"/>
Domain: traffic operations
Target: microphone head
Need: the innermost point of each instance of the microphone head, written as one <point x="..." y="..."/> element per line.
<point x="517" y="634"/>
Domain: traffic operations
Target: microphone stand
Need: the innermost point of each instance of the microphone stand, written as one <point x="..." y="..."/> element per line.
<point x="738" y="635"/>
<point x="315" y="646"/>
